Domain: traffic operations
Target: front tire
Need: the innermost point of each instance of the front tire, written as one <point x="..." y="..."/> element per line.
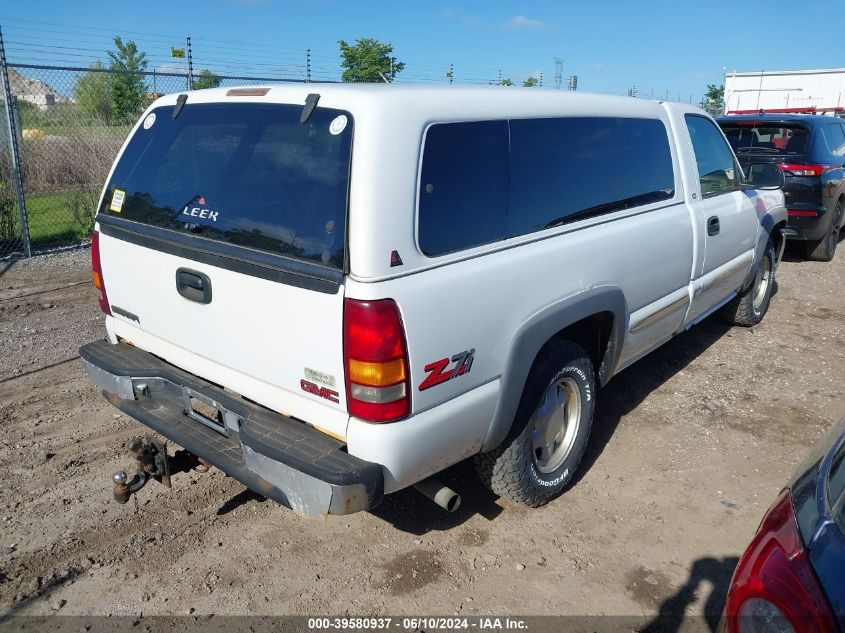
<point x="550" y="430"/>
<point x="824" y="249"/>
<point x="750" y="306"/>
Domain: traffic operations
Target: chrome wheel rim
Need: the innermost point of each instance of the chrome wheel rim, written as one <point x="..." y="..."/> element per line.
<point x="555" y="424"/>
<point x="761" y="282"/>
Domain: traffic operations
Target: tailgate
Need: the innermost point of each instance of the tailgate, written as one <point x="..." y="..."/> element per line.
<point x="222" y="242"/>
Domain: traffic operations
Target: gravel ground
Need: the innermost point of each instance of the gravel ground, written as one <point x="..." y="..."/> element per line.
<point x="690" y="447"/>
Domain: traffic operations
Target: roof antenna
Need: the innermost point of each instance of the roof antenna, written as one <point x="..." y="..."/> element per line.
<point x="180" y="103"/>
<point x="310" y="103"/>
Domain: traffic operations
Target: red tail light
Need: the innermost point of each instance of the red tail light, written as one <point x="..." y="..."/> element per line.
<point x="376" y="359"/>
<point x="802" y="213"/>
<point x="97" y="273"/>
<point x="804" y="170"/>
<point x="774" y="587"/>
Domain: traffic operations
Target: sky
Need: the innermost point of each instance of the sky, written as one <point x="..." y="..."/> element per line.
<point x="672" y="48"/>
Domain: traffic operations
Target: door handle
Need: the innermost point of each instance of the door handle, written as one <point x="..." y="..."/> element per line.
<point x="713" y="226"/>
<point x="193" y="285"/>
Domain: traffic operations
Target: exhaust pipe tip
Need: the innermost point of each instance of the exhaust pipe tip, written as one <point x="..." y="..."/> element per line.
<point x="442" y="495"/>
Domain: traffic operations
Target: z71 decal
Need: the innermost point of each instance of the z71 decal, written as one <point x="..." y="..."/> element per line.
<point x="437" y="372"/>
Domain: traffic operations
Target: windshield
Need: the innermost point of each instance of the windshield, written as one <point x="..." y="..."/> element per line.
<point x="776" y="140"/>
<point x="247" y="174"/>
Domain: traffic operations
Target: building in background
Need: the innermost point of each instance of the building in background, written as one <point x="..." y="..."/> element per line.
<point x="34" y="91"/>
<point x="800" y="91"/>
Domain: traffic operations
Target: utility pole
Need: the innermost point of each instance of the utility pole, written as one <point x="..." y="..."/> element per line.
<point x="190" y="66"/>
<point x="12" y="129"/>
<point x="558" y="72"/>
<point x="451" y="73"/>
<point x="308" y="65"/>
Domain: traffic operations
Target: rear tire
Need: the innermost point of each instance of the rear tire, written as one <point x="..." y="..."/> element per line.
<point x="550" y="430"/>
<point x="824" y="249"/>
<point x="750" y="306"/>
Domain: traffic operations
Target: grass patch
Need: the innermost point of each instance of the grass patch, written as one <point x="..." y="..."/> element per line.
<point x="58" y="218"/>
<point x="68" y="120"/>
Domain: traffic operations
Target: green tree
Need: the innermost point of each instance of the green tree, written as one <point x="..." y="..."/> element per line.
<point x="531" y="82"/>
<point x="93" y="95"/>
<point x="128" y="87"/>
<point x="207" y="79"/>
<point x="368" y="60"/>
<point x="504" y="82"/>
<point x="714" y="99"/>
<point x="8" y="214"/>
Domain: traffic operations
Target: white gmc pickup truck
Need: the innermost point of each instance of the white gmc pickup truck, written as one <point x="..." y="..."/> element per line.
<point x="333" y="292"/>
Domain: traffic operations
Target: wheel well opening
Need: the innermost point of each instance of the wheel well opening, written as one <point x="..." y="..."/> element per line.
<point x="593" y="334"/>
<point x="776" y="236"/>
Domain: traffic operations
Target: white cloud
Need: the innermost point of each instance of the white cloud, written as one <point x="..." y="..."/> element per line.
<point x="524" y="23"/>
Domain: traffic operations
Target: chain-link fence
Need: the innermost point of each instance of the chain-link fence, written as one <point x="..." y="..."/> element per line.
<point x="11" y="240"/>
<point x="71" y="123"/>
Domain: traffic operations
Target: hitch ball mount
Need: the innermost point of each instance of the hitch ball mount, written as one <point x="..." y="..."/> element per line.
<point x="153" y="462"/>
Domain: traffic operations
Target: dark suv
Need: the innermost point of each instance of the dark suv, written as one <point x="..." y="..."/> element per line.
<point x="811" y="152"/>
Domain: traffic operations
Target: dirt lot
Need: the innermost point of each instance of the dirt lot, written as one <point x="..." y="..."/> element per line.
<point x="690" y="447"/>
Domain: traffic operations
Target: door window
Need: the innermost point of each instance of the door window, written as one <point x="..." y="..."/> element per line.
<point x="717" y="171"/>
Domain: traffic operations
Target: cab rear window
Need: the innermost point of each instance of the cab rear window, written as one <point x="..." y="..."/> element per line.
<point x="249" y="175"/>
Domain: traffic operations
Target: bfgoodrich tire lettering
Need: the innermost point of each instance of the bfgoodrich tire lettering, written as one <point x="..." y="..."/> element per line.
<point x="521" y="468"/>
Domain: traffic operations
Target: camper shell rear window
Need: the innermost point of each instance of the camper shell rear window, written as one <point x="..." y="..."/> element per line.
<point x="245" y="174"/>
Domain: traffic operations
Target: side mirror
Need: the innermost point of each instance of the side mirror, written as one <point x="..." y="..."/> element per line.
<point x="765" y="176"/>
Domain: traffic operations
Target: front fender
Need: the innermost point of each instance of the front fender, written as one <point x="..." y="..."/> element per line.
<point x="537" y="331"/>
<point x="771" y="212"/>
